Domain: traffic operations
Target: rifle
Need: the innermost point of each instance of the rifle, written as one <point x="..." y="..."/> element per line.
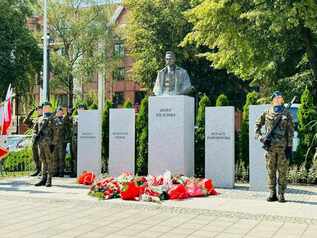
<point x="267" y="140"/>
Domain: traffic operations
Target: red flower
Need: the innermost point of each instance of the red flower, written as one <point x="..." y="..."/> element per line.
<point x="178" y="192"/>
<point x="131" y="191"/>
<point x="86" y="178"/>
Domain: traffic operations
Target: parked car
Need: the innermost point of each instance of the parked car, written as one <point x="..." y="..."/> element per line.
<point x="17" y="142"/>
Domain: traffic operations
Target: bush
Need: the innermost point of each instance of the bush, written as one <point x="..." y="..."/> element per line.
<point x="242" y="172"/>
<point x="312" y="173"/>
<point x="141" y="166"/>
<point x="105" y="136"/>
<point x="200" y="137"/>
<point x="222" y="100"/>
<point x="306" y="114"/>
<point x="127" y="104"/>
<point x="244" y="132"/>
<point x="19" y="161"/>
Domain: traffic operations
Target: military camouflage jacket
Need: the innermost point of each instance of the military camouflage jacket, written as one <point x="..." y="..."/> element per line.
<point x="60" y="129"/>
<point x="33" y="123"/>
<point x="47" y="132"/>
<point x="283" y="134"/>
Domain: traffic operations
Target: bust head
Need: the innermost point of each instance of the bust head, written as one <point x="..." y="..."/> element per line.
<point x="170" y="58"/>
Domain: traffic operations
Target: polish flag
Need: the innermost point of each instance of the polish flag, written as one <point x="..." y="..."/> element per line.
<point x="6" y="114"/>
<point x="3" y="152"/>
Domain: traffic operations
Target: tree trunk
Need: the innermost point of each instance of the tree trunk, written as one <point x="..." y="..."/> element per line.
<point x="311" y="51"/>
<point x="70" y="91"/>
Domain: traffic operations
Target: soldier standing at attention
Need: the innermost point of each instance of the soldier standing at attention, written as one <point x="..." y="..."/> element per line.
<point x="34" y="123"/>
<point x="59" y="152"/>
<point x="47" y="142"/>
<point x="279" y="121"/>
<point x="74" y="142"/>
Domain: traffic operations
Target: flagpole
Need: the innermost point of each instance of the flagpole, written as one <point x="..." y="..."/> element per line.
<point x="45" y="83"/>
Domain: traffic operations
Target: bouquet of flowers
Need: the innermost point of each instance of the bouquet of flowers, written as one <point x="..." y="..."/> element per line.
<point x="86" y="178"/>
<point x="152" y="188"/>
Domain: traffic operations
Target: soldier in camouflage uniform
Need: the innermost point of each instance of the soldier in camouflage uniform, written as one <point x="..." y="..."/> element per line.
<point x="47" y="142"/>
<point x="281" y="144"/>
<point x="34" y="124"/>
<point x="60" y="149"/>
<point x="74" y="142"/>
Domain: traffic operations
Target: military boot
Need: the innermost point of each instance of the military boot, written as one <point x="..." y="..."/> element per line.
<point x="42" y="182"/>
<point x="49" y="181"/>
<point x="281" y="198"/>
<point x="36" y="173"/>
<point x="272" y="197"/>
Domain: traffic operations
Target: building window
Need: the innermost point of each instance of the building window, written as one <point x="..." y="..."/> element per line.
<point x="119" y="49"/>
<point x="118" y="98"/>
<point x="119" y="74"/>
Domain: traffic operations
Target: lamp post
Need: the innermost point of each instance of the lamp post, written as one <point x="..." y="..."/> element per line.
<point x="45" y="59"/>
<point x="46" y="76"/>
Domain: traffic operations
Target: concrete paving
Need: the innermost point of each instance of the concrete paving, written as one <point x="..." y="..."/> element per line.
<point x="65" y="210"/>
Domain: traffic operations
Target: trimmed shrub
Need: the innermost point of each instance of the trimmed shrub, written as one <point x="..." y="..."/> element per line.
<point x="200" y="137"/>
<point x="105" y="136"/>
<point x="142" y="139"/>
<point x="222" y="100"/>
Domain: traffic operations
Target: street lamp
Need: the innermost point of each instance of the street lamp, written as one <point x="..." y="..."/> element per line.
<point x="45" y="63"/>
<point x="46" y="77"/>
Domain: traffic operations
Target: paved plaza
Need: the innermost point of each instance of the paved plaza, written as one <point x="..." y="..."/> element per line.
<point x="66" y="211"/>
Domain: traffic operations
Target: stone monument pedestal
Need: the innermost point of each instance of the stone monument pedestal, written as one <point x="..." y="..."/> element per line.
<point x="258" y="174"/>
<point x="171" y="135"/>
<point x="121" y="141"/>
<point x="219" y="146"/>
<point x="89" y="142"/>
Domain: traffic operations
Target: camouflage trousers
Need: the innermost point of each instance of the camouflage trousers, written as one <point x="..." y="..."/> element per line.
<point x="277" y="169"/>
<point x="59" y="158"/>
<point x="35" y="154"/>
<point x="47" y="158"/>
<point x="74" y="157"/>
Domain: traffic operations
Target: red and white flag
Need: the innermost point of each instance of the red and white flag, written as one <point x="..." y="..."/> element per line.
<point x="6" y="113"/>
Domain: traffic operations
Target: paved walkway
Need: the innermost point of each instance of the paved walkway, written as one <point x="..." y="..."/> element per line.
<point x="65" y="210"/>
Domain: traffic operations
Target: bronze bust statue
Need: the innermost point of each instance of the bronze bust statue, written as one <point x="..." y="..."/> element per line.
<point x="172" y="80"/>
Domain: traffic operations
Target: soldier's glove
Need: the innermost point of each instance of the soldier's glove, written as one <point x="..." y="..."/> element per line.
<point x="289" y="152"/>
<point x="262" y="139"/>
<point x="52" y="147"/>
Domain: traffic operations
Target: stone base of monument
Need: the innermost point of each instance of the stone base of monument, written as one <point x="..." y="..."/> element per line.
<point x="219" y="146"/>
<point x="171" y="135"/>
<point x="89" y="142"/>
<point x="257" y="162"/>
<point x="121" y="141"/>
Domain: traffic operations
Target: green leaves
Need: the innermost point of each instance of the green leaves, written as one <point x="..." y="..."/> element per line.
<point x="20" y="57"/>
<point x="255" y="40"/>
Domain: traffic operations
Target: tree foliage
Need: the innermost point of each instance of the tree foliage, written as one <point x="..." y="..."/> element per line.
<point x="20" y="57"/>
<point x="261" y="41"/>
<point x="159" y="26"/>
<point x="82" y="32"/>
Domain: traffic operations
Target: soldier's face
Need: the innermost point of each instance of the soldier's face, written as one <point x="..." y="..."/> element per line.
<point x="47" y="109"/>
<point x="279" y="100"/>
<point x="59" y="113"/>
<point x="170" y="60"/>
<point x="39" y="111"/>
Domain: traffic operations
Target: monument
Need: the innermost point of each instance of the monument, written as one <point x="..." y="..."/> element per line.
<point x="171" y="122"/>
<point x="121" y="141"/>
<point x="89" y="141"/>
<point x="219" y="146"/>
